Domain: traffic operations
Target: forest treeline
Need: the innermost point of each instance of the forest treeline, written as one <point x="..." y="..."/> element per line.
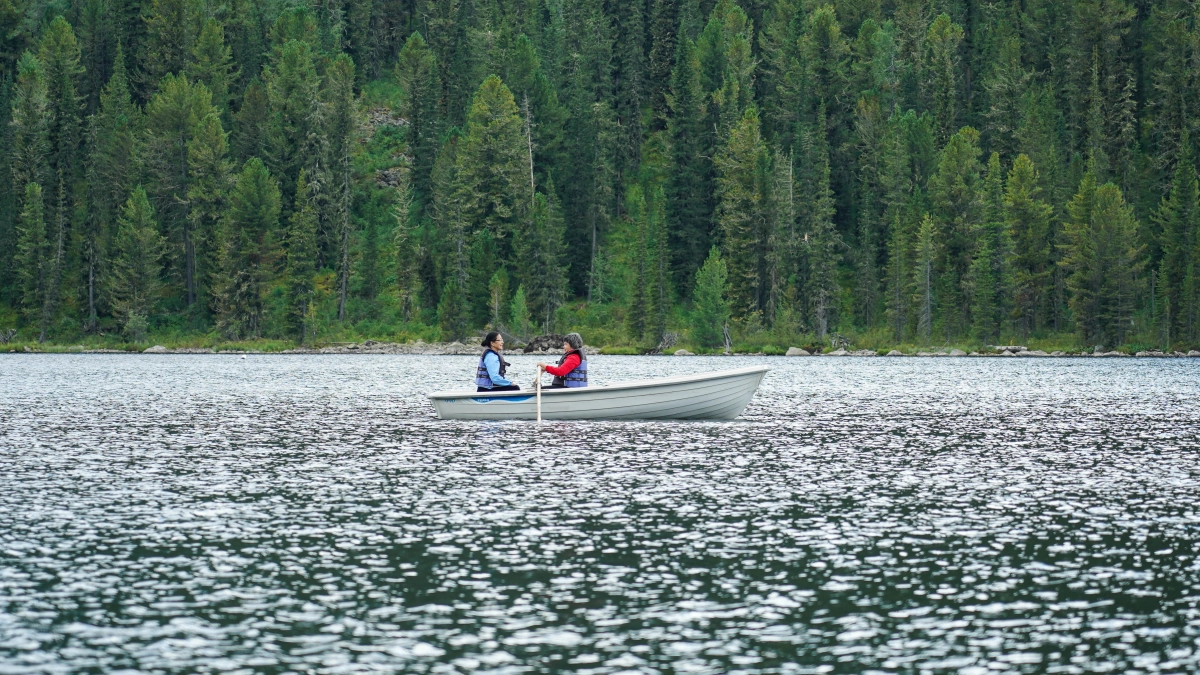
<point x="911" y="170"/>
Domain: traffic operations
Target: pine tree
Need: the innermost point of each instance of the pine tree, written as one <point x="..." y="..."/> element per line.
<point x="664" y="22"/>
<point x="491" y="183"/>
<point x="518" y="313"/>
<point x="212" y="64"/>
<point x="171" y="29"/>
<point x="943" y="42"/>
<point x="113" y="167"/>
<point x="248" y="252"/>
<point x="253" y="120"/>
<point x="711" y="311"/>
<point x="924" y="277"/>
<point x="1104" y="260"/>
<point x="1177" y="221"/>
<point x="30" y="114"/>
<point x="59" y="54"/>
<point x="135" y="284"/>
<point x="97" y="46"/>
<point x="689" y="191"/>
<point x="744" y="213"/>
<point x="954" y="191"/>
<point x="416" y="73"/>
<point x="208" y="199"/>
<point x="1029" y="227"/>
<point x="302" y="262"/>
<point x="1006" y="87"/>
<point x="540" y="255"/>
<point x="822" y="251"/>
<point x="295" y="130"/>
<point x="172" y="117"/>
<point x="989" y="269"/>
<point x="33" y="258"/>
<point x="341" y="120"/>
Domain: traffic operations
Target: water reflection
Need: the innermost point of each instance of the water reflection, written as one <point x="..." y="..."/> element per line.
<point x="309" y="514"/>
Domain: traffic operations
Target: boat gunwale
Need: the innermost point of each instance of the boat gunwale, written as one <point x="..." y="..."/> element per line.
<point x="615" y="386"/>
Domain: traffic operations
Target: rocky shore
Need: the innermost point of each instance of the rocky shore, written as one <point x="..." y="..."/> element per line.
<point x="540" y="346"/>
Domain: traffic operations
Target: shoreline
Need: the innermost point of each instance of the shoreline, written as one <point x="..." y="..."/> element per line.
<point x="421" y="348"/>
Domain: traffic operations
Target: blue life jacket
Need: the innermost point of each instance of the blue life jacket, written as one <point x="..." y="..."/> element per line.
<point x="482" y="379"/>
<point x="575" y="378"/>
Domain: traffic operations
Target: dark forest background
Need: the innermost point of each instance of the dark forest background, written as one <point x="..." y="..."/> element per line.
<point x="767" y="172"/>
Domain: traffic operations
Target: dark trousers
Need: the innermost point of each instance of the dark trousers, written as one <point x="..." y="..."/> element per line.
<point x="507" y="387"/>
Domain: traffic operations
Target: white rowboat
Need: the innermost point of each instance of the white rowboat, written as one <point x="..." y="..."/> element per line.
<point x="722" y="395"/>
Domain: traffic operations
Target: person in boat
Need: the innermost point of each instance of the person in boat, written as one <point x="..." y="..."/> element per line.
<point x="571" y="369"/>
<point x="489" y="375"/>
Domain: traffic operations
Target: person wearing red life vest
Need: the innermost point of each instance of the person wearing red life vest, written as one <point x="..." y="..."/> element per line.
<point x="571" y="369"/>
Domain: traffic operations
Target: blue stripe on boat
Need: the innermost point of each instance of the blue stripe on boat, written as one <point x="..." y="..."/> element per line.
<point x="510" y="399"/>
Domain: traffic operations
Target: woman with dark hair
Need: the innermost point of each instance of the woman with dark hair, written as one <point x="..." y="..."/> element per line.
<point x="571" y="370"/>
<point x="489" y="375"/>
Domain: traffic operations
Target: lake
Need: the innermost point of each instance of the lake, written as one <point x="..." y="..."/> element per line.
<point x="184" y="514"/>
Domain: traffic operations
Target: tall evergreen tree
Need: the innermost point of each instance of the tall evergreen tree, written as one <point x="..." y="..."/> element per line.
<point x="823" y="242"/>
<point x="1104" y="259"/>
<point x="925" y="277"/>
<point x="295" y="130"/>
<point x="253" y="120"/>
<point x="212" y="64"/>
<point x="689" y="191"/>
<point x="33" y="259"/>
<point x="113" y="167"/>
<point x="208" y="200"/>
<point x="172" y="117"/>
<point x="302" y="262"/>
<point x="744" y="213"/>
<point x="59" y="54"/>
<point x="171" y="30"/>
<point x="1177" y="222"/>
<point x="135" y="284"/>
<point x="954" y="191"/>
<point x="710" y="314"/>
<point x="249" y="249"/>
<point x="540" y="256"/>
<point x="341" y="120"/>
<point x="30" y="129"/>
<point x="416" y="73"/>
<point x="989" y="269"/>
<point x="1029" y="227"/>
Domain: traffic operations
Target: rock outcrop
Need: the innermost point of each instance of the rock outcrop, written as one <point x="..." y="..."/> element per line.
<point x="797" y="351"/>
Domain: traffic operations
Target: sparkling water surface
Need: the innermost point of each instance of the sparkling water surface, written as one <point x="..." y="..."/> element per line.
<point x="309" y="514"/>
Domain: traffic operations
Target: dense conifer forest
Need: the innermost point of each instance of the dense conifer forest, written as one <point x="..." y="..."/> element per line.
<point x="766" y="172"/>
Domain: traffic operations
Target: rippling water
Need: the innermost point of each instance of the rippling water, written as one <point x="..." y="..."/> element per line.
<point x="309" y="514"/>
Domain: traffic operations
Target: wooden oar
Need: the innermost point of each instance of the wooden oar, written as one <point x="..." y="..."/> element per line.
<point x="537" y="386"/>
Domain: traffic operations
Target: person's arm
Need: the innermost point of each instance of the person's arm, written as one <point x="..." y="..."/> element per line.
<point x="570" y="364"/>
<point x="492" y="363"/>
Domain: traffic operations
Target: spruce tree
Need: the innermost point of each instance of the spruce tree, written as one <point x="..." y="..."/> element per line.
<point x="1177" y="221"/>
<point x="33" y="258"/>
<point x="416" y="73"/>
<point x="212" y="64"/>
<point x="248" y="252"/>
<point x="689" y="190"/>
<point x="1104" y="259"/>
<point x="491" y="177"/>
<point x="172" y="117"/>
<point x="135" y="284"/>
<point x="924" y="277"/>
<point x="302" y="263"/>
<point x="30" y="143"/>
<point x="208" y="199"/>
<point x="253" y="120"/>
<point x="341" y="120"/>
<point x="113" y="167"/>
<point x="295" y="130"/>
<point x="989" y="269"/>
<point x="823" y="242"/>
<point x="540" y="260"/>
<point x="744" y="213"/>
<point x="943" y="43"/>
<point x="710" y="302"/>
<point x="954" y="191"/>
<point x="59" y="54"/>
<point x="1029" y="227"/>
<point x="171" y="29"/>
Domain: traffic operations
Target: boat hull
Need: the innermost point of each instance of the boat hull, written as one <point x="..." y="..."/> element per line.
<point x="712" y="396"/>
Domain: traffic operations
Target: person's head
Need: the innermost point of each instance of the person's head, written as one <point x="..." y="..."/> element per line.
<point x="494" y="340"/>
<point x="572" y="341"/>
